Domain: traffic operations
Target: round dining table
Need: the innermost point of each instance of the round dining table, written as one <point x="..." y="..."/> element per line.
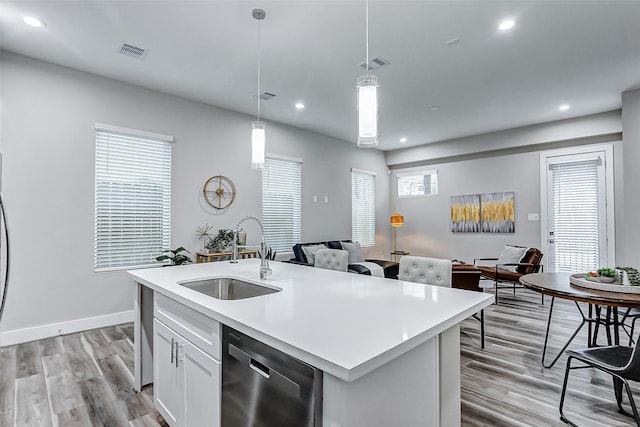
<point x="558" y="285"/>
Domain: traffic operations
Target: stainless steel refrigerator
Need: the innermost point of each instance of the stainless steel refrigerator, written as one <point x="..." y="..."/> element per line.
<point x="4" y="250"/>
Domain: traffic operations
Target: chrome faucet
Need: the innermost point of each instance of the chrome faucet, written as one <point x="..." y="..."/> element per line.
<point x="264" y="262"/>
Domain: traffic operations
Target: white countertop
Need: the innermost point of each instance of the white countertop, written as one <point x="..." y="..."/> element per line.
<point x="343" y="323"/>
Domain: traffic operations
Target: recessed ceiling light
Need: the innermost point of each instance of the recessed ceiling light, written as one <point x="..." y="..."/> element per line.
<point x="299" y="105"/>
<point x="434" y="108"/>
<point x="34" y="22"/>
<point x="564" y="107"/>
<point x="403" y="139"/>
<point x="506" y="25"/>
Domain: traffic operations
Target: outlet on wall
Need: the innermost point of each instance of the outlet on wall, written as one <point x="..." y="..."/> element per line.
<point x="533" y="217"/>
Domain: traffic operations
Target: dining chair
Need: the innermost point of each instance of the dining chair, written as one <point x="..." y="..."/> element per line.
<point x="621" y="362"/>
<point x="332" y="259"/>
<point x="431" y="271"/>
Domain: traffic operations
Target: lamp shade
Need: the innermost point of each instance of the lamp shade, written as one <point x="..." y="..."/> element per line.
<point x="397" y="220"/>
<point x="367" y="111"/>
<point x="257" y="145"/>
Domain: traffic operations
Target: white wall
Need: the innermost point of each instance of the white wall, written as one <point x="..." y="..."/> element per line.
<point x="47" y="140"/>
<point x="630" y="226"/>
<point x="427" y="218"/>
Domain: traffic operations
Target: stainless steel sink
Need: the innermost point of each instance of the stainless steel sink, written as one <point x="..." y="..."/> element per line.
<point x="227" y="288"/>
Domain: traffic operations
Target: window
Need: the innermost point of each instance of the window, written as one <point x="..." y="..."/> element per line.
<point x="363" y="207"/>
<point x="133" y="197"/>
<point x="281" y="202"/>
<point x="424" y="183"/>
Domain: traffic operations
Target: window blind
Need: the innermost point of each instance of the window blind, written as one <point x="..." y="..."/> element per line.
<point x="133" y="199"/>
<point x="363" y="207"/>
<point x="576" y="216"/>
<point x="281" y="202"/>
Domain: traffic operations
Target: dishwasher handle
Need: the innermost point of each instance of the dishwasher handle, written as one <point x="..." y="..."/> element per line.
<point x="275" y="378"/>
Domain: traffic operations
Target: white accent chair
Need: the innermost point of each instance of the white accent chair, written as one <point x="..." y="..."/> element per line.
<point x="332" y="259"/>
<point x="431" y="271"/>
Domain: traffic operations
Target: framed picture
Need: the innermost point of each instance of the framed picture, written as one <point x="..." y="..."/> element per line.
<point x="465" y="214"/>
<point x="498" y="212"/>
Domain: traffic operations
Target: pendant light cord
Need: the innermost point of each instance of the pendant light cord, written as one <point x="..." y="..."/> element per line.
<point x="258" y="85"/>
<point x="366" y="32"/>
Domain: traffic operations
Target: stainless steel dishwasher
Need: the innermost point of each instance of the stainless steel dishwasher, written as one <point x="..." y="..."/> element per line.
<point x="264" y="387"/>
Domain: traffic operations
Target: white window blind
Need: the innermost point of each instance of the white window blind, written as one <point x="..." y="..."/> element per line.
<point x="363" y="207"/>
<point x="422" y="183"/>
<point x="133" y="198"/>
<point x="281" y="202"/>
<point x="576" y="216"/>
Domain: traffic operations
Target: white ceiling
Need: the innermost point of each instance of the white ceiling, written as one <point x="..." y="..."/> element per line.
<point x="584" y="53"/>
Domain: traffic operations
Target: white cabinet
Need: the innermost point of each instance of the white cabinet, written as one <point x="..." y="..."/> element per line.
<point x="187" y="380"/>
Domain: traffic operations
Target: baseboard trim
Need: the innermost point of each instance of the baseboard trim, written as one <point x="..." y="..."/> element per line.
<point x="20" y="336"/>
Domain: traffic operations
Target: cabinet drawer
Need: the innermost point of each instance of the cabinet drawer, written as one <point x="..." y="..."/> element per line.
<point x="195" y="327"/>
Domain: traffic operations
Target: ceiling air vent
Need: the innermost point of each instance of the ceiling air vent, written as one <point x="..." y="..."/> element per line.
<point x="267" y="96"/>
<point x="130" y="50"/>
<point x="374" y="63"/>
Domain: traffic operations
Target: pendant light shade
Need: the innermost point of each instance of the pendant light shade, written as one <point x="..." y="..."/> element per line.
<point x="367" y="111"/>
<point x="257" y="145"/>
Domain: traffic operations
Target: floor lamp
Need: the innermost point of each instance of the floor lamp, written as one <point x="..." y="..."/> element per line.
<point x="397" y="220"/>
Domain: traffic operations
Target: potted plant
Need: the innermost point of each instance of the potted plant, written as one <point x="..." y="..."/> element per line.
<point x="222" y="241"/>
<point x="608" y="275"/>
<point x="270" y="255"/>
<point x="175" y="255"/>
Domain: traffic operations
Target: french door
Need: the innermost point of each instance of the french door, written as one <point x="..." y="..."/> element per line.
<point x="577" y="208"/>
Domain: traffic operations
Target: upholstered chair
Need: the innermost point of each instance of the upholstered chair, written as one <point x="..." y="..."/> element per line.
<point x="430" y="271"/>
<point x="332" y="259"/>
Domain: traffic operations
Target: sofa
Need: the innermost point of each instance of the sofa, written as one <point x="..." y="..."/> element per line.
<point x="389" y="268"/>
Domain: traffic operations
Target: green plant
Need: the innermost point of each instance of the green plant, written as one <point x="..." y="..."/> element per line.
<point x="223" y="240"/>
<point x="270" y="255"/>
<point x="175" y="256"/>
<point x="632" y="274"/>
<point x="607" y="272"/>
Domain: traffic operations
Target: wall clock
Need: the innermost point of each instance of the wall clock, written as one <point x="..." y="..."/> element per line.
<point x="219" y="192"/>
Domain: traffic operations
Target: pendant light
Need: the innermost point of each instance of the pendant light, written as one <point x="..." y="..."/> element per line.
<point x="367" y="86"/>
<point x="258" y="137"/>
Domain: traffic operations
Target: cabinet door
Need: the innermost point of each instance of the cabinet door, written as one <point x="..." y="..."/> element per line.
<point x="202" y="387"/>
<point x="168" y="391"/>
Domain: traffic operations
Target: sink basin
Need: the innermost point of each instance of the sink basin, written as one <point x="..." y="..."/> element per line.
<point x="227" y="288"/>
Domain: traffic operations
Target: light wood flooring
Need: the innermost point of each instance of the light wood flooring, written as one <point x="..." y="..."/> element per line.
<point x="85" y="379"/>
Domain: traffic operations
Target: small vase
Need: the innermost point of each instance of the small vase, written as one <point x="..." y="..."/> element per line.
<point x="607" y="279"/>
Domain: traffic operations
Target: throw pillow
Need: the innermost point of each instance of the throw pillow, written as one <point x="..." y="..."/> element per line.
<point x="355" y="251"/>
<point x="310" y="252"/>
<point x="509" y="255"/>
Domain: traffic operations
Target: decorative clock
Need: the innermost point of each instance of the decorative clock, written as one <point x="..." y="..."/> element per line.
<point x="219" y="192"/>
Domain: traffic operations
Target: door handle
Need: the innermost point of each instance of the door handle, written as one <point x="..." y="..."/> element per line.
<point x="172" y="341"/>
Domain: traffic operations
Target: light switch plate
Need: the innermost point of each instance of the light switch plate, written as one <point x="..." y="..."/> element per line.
<point x="533" y="217"/>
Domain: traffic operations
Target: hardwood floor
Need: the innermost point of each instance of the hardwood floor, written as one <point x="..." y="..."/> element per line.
<point x="82" y="379"/>
<point x="85" y="379"/>
<point x="506" y="385"/>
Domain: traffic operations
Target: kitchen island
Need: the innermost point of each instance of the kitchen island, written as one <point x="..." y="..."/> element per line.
<point x="389" y="350"/>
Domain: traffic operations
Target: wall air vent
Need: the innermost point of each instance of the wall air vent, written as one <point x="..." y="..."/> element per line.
<point x="130" y="50"/>
<point x="374" y="63"/>
<point x="267" y="96"/>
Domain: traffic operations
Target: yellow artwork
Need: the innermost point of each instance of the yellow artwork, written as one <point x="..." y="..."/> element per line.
<point x="465" y="213"/>
<point x="498" y="212"/>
